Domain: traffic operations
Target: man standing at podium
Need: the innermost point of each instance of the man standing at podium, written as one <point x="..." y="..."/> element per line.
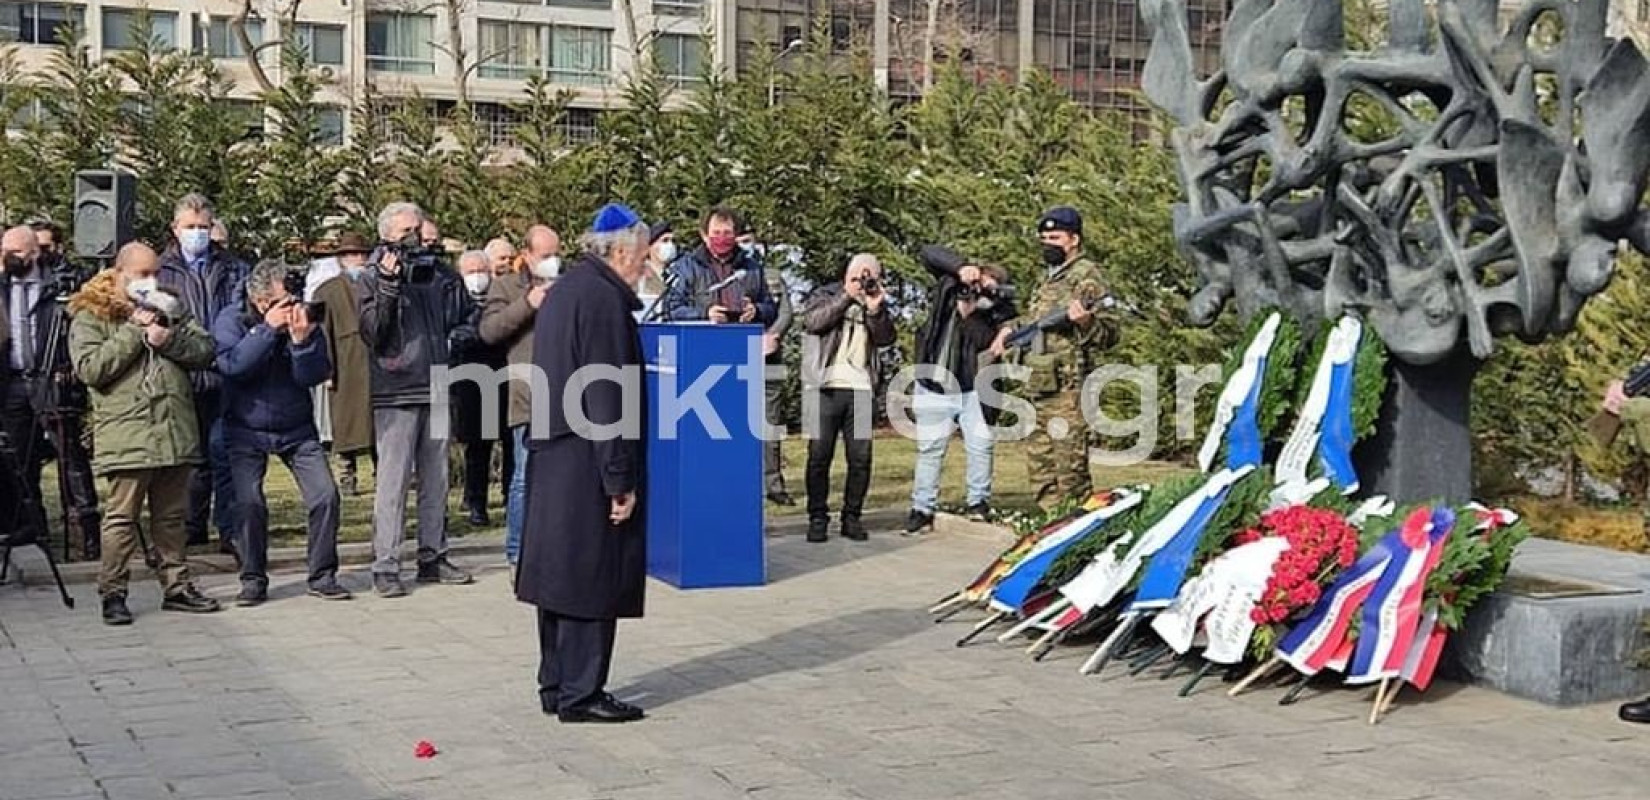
<point x="584" y="545"/>
<point x="719" y="281"/>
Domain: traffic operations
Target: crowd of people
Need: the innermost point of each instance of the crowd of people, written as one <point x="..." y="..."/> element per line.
<point x="176" y="375"/>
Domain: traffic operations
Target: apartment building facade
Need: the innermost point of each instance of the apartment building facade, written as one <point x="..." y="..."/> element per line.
<point x="1095" y="49"/>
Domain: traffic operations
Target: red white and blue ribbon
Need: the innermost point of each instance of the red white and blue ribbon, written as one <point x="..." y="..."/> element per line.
<point x="1312" y="643"/>
<point x="1392" y="613"/>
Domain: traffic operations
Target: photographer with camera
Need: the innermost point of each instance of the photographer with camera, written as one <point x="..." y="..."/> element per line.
<point x="208" y="279"/>
<point x="135" y="345"/>
<point x="971" y="307"/>
<point x="42" y="404"/>
<point x="406" y="317"/>
<point x="271" y="355"/>
<point x="845" y="324"/>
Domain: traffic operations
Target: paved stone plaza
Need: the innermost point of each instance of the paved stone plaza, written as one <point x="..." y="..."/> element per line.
<point x="830" y="683"/>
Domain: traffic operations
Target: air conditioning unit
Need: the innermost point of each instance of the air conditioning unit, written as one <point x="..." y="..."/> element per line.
<point x="328" y="73"/>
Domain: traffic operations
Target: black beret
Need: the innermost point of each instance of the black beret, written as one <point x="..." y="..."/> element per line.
<point x="1061" y="218"/>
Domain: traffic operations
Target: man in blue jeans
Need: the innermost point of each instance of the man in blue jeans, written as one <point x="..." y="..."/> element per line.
<point x="271" y="355"/>
<point x="965" y="330"/>
<point x="507" y="322"/>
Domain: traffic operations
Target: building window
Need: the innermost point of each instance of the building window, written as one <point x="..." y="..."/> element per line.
<point x="580" y="55"/>
<point x="325" y="43"/>
<point x="401" y="43"/>
<point x="579" y="125"/>
<point x="602" y="5"/>
<point x="511" y="49"/>
<point x="329" y="122"/>
<point x="218" y="38"/>
<point x="38" y="23"/>
<point x="679" y="57"/>
<point x="564" y="53"/>
<point x="679" y="8"/>
<point x="122" y="27"/>
<point x="30" y="113"/>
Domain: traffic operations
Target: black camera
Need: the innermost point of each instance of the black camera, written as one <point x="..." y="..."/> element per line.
<point x="870" y="285"/>
<point x="294" y="281"/>
<point x="419" y="264"/>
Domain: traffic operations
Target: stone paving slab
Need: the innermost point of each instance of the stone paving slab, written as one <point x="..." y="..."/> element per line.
<point x="829" y="684"/>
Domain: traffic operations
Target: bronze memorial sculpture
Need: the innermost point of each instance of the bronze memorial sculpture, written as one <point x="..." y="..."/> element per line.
<point x="1467" y="179"/>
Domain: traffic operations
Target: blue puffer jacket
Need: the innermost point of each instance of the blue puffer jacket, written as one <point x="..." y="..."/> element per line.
<point x="266" y="380"/>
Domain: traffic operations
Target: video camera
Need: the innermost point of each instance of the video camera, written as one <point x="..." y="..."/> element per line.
<point x="419" y="264"/>
<point x="167" y="307"/>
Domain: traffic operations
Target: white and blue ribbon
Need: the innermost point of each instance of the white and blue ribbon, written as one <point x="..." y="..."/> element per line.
<point x="1236" y="421"/>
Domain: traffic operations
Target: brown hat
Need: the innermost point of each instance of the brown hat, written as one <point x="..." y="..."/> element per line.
<point x="352" y="242"/>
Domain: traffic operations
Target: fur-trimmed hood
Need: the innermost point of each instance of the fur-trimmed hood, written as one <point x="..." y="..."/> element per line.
<point x="102" y="297"/>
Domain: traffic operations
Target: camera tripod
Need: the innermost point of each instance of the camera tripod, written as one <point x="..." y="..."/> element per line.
<point x="28" y="523"/>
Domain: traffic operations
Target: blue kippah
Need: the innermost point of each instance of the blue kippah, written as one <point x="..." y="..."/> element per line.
<point x="614" y="217"/>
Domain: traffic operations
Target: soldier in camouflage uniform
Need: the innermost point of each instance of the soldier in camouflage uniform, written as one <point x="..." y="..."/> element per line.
<point x="1062" y="356"/>
<point x="1634" y="414"/>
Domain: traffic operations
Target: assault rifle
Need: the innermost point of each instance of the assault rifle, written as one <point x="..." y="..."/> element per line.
<point x="1604" y="425"/>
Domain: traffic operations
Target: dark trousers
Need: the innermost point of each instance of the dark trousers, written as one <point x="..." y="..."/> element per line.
<point x="38" y="439"/>
<point x="575" y="656"/>
<point x="212" y="495"/>
<point x="248" y="464"/>
<point x="837" y="413"/>
<point x="478" y="472"/>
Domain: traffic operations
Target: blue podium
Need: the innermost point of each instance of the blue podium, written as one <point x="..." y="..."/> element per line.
<point x="704" y="478"/>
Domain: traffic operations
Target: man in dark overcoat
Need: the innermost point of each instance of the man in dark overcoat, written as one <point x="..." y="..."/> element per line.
<point x="584" y="545"/>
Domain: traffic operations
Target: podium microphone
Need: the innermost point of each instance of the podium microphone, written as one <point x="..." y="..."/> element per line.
<point x="653" y="312"/>
<point x="737" y="276"/>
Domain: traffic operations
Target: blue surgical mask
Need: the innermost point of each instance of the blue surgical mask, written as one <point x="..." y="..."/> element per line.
<point x="194" y="242"/>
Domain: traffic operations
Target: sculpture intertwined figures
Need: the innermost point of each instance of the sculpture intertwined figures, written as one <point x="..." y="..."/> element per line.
<point x="1467" y="173"/>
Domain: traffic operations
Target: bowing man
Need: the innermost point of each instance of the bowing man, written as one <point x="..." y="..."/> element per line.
<point x="584" y="547"/>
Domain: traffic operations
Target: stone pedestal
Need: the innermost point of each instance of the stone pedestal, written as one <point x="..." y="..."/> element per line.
<point x="1566" y="649"/>
<point x="1422" y="446"/>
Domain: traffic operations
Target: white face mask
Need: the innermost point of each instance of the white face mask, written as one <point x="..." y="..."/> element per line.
<point x="139" y="288"/>
<point x="355" y="271"/>
<point x="477" y="282"/>
<point x="547" y="269"/>
<point x="194" y="241"/>
<point x="665" y="252"/>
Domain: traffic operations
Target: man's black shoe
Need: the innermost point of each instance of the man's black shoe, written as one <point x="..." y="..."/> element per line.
<point x="1636" y="712"/>
<point x="918" y="521"/>
<point x="547" y="701"/>
<point x="816" y="530"/>
<point x="190" y="601"/>
<point x="781" y="498"/>
<point x="115" y="611"/>
<point x="330" y="590"/>
<point x="388" y="585"/>
<point x="252" y="594"/>
<point x="441" y="570"/>
<point x="479" y="518"/>
<point x="853" y="530"/>
<point x="979" y="512"/>
<point x="607" y="708"/>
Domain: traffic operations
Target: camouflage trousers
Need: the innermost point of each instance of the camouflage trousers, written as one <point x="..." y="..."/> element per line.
<point x="1059" y="465"/>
